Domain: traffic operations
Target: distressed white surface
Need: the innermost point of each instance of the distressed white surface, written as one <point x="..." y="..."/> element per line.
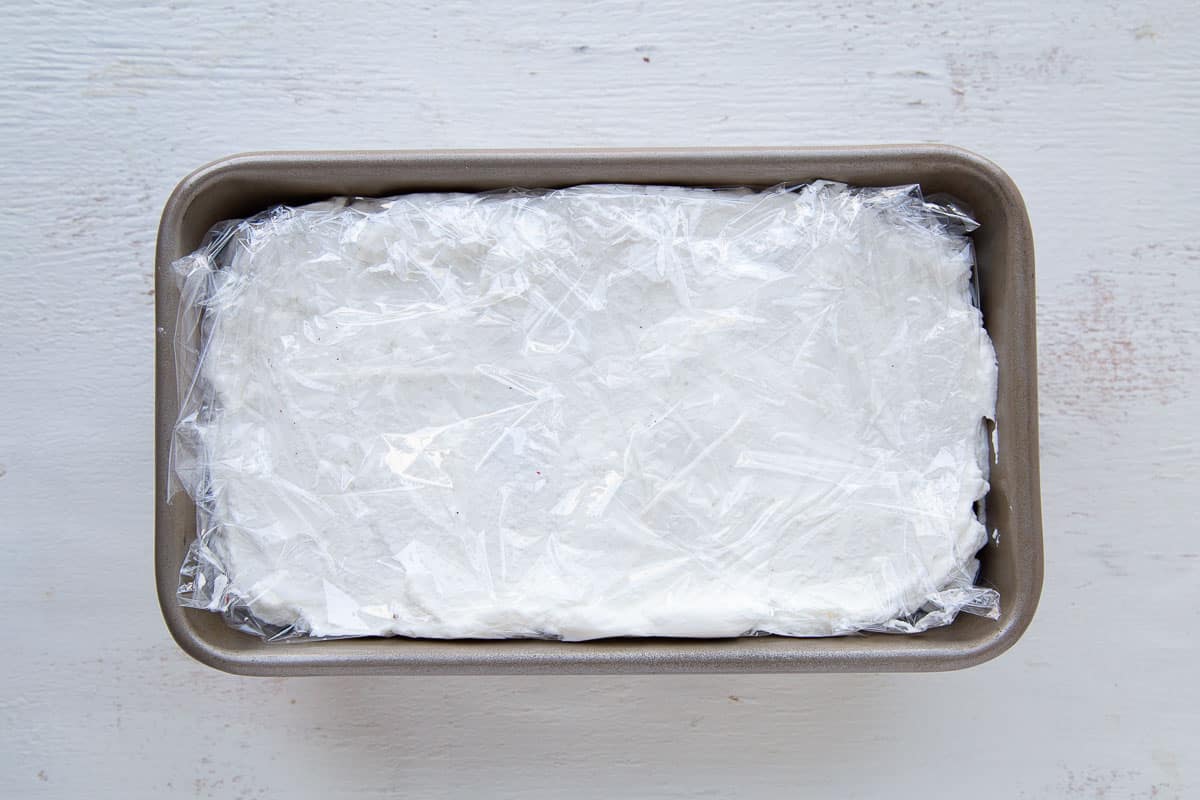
<point x="1094" y="110"/>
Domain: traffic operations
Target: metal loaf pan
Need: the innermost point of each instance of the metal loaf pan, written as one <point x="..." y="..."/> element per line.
<point x="241" y="185"/>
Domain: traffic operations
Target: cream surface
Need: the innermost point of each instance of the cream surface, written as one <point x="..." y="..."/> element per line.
<point x="599" y="411"/>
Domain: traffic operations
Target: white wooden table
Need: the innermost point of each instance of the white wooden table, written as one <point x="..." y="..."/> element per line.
<point x="1094" y="110"/>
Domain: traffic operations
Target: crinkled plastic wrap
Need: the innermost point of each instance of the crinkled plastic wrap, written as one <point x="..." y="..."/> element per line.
<point x="590" y="412"/>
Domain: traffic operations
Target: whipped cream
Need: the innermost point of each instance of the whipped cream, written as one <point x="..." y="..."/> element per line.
<point x="598" y="411"/>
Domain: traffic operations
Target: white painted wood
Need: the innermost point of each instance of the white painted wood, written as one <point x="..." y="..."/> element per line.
<point x="1093" y="108"/>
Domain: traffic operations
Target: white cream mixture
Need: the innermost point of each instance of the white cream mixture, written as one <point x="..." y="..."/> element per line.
<point x="600" y="411"/>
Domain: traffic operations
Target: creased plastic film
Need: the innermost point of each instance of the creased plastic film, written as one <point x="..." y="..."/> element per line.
<point x="590" y="412"/>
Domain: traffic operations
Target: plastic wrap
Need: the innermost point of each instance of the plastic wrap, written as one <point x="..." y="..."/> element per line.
<point x="590" y="412"/>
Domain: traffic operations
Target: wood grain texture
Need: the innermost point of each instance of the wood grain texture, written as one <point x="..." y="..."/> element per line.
<point x="1093" y="108"/>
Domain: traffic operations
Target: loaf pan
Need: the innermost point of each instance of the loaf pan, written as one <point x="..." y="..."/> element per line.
<point x="242" y="185"/>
